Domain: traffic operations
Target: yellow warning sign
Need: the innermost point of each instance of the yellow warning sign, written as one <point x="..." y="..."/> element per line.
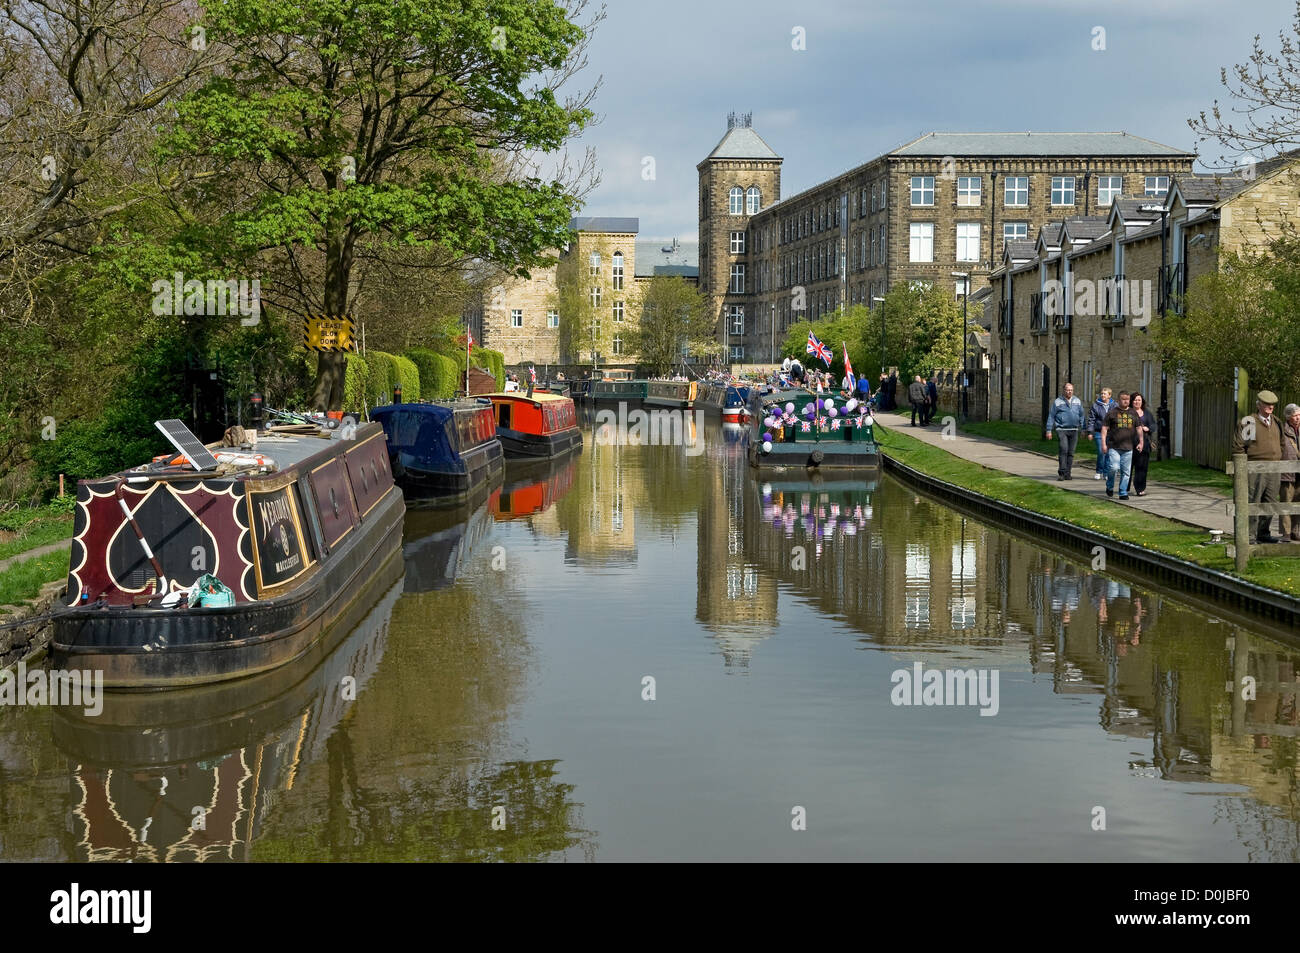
<point x="321" y="333"/>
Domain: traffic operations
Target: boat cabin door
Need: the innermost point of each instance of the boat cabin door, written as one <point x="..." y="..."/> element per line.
<point x="503" y="414"/>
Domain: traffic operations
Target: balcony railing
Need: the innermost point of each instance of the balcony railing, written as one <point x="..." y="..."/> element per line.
<point x="1037" y="320"/>
<point x="1112" y="300"/>
<point x="1173" y="285"/>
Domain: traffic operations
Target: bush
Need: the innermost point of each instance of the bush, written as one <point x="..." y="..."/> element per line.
<point x="410" y="378"/>
<point x="354" y="382"/>
<point x="439" y="374"/>
<point x="494" y="362"/>
<point x="384" y="376"/>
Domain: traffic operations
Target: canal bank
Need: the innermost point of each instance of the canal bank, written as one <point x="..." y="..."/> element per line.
<point x="1160" y="547"/>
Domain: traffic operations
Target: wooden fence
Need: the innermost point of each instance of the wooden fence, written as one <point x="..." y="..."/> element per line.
<point x="1244" y="512"/>
<point x="1209" y="421"/>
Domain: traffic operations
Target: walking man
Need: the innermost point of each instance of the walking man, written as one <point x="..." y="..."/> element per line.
<point x="916" y="394"/>
<point x="1119" y="435"/>
<point x="1096" y="415"/>
<point x="931" y="399"/>
<point x="1065" y="419"/>
<point x="1259" y="437"/>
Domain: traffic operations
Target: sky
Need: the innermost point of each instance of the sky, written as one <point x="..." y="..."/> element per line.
<point x="875" y="74"/>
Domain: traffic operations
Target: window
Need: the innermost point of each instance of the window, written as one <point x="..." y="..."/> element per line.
<point x="736" y="314"/>
<point x="595" y="297"/>
<point x="968" y="190"/>
<point x="922" y="240"/>
<point x="618" y="312"/>
<point x="736" y="200"/>
<point x="959" y="288"/>
<point x="516" y="318"/>
<point x="872" y="259"/>
<point x="738" y="243"/>
<point x="1062" y="190"/>
<point x="737" y="352"/>
<point x="552" y="318"/>
<point x="922" y="190"/>
<point x="1012" y="231"/>
<point x="1016" y="190"/>
<point x="873" y="197"/>
<point x="753" y="198"/>
<point x="968" y="241"/>
<point x="737" y="280"/>
<point x="880" y="244"/>
<point x="1109" y="188"/>
<point x="884" y="192"/>
<point x="618" y="271"/>
<point x="618" y="344"/>
<point x="1157" y="185"/>
<point x="594" y="263"/>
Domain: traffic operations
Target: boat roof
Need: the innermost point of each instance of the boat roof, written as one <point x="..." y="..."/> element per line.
<point x="434" y="408"/>
<point x="539" y="397"/>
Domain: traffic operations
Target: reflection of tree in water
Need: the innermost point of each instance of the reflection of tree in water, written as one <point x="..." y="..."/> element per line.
<point x="424" y="754"/>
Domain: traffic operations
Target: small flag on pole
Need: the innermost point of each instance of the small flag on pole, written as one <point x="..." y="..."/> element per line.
<point x="820" y="350"/>
<point x="848" y="369"/>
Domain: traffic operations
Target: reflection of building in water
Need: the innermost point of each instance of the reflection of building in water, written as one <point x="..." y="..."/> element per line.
<point x="734" y="600"/>
<point x="192" y="775"/>
<point x="599" y="512"/>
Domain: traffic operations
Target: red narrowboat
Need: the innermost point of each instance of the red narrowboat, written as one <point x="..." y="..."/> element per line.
<point x="541" y="425"/>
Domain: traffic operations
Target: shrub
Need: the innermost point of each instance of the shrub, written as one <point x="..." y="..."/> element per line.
<point x="409" y="375"/>
<point x="354" y="383"/>
<point x="494" y="362"/>
<point x="384" y="376"/>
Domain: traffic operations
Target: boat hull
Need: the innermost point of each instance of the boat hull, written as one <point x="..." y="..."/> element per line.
<point x="155" y="648"/>
<point x="823" y="455"/>
<point x="481" y="465"/>
<point x="518" y="445"/>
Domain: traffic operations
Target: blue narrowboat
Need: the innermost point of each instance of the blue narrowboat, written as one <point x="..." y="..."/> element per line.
<point x="445" y="448"/>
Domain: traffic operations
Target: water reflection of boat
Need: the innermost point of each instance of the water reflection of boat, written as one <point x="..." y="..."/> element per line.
<point x="439" y="541"/>
<point x="533" y="487"/>
<point x="192" y="774"/>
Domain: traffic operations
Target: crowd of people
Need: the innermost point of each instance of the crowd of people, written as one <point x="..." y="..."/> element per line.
<point x="1122" y="430"/>
<point x="1263" y="437"/>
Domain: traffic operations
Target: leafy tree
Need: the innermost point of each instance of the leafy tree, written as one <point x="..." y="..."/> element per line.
<point x="586" y="319"/>
<point x="374" y="126"/>
<point x="1245" y="315"/>
<point x="840" y="328"/>
<point x="671" y="313"/>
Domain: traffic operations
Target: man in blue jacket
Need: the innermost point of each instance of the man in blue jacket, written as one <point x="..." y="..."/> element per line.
<point x="931" y="400"/>
<point x="1065" y="418"/>
<point x="1096" y="417"/>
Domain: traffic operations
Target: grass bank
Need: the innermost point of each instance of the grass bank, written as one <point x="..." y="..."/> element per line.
<point x="22" y="581"/>
<point x="29" y="527"/>
<point x="1175" y="471"/>
<point x="1106" y="517"/>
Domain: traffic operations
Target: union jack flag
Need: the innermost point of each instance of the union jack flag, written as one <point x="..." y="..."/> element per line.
<point x="820" y="350"/>
<point x="532" y="375"/>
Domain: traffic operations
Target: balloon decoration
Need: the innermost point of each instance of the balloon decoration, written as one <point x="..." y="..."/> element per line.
<point x="767" y="446"/>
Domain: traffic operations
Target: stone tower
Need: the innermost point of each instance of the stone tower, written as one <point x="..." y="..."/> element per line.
<point x="738" y="178"/>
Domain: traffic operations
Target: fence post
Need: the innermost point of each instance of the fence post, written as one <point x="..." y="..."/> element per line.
<point x="1241" y="509"/>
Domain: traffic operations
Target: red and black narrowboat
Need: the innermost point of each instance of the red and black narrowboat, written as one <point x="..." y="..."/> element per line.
<point x="536" y="426"/>
<point x="181" y="576"/>
<point x="445" y="448"/>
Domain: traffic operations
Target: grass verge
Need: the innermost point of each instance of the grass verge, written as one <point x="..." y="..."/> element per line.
<point x="22" y="581"/>
<point x="1174" y="471"/>
<point x="1109" y="518"/>
<point x="29" y="527"/>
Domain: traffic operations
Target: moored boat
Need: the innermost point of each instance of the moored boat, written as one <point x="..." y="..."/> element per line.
<point x="799" y="429"/>
<point x="677" y="394"/>
<point x="444" y="448"/>
<point x="610" y="391"/>
<point x="536" y="426"/>
<point x="728" y="399"/>
<point x="269" y="543"/>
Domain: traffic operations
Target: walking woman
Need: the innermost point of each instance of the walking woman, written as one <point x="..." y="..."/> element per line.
<point x="1147" y="426"/>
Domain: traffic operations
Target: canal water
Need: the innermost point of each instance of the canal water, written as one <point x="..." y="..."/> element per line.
<point x="643" y="654"/>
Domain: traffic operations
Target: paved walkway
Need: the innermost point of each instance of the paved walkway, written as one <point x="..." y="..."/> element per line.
<point x="33" y="553"/>
<point x="1192" y="505"/>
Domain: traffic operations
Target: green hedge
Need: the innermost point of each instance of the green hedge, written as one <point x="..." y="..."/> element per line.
<point x="354" y="383"/>
<point x="410" y="378"/>
<point x="384" y="376"/>
<point x="439" y="374"/>
<point x="492" y="361"/>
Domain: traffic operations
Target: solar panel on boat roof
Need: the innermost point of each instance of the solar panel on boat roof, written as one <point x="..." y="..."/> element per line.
<point x="190" y="446"/>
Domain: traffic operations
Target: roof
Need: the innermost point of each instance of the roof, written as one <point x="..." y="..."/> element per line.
<point x="1132" y="208"/>
<point x="622" y="226"/>
<point x="742" y="142"/>
<point x="1021" y="248"/>
<point x="540" y="397"/>
<point x="1085" y="227"/>
<point x="1209" y="188"/>
<point x="667" y="258"/>
<point x="1050" y="234"/>
<point x="1036" y="144"/>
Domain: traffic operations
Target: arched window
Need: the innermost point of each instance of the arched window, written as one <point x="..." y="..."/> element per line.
<point x="618" y="271"/>
<point x="753" y="198"/>
<point x="736" y="206"/>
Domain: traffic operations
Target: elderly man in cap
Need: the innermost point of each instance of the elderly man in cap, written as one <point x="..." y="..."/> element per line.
<point x="1259" y="437"/>
<point x="1291" y="481"/>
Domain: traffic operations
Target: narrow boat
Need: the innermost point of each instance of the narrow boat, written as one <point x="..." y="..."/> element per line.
<point x="676" y="394"/>
<point x="183" y="573"/>
<point x="618" y="387"/>
<point x="444" y="448"/>
<point x="729" y="400"/>
<point x="541" y="425"/>
<point x="798" y="429"/>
